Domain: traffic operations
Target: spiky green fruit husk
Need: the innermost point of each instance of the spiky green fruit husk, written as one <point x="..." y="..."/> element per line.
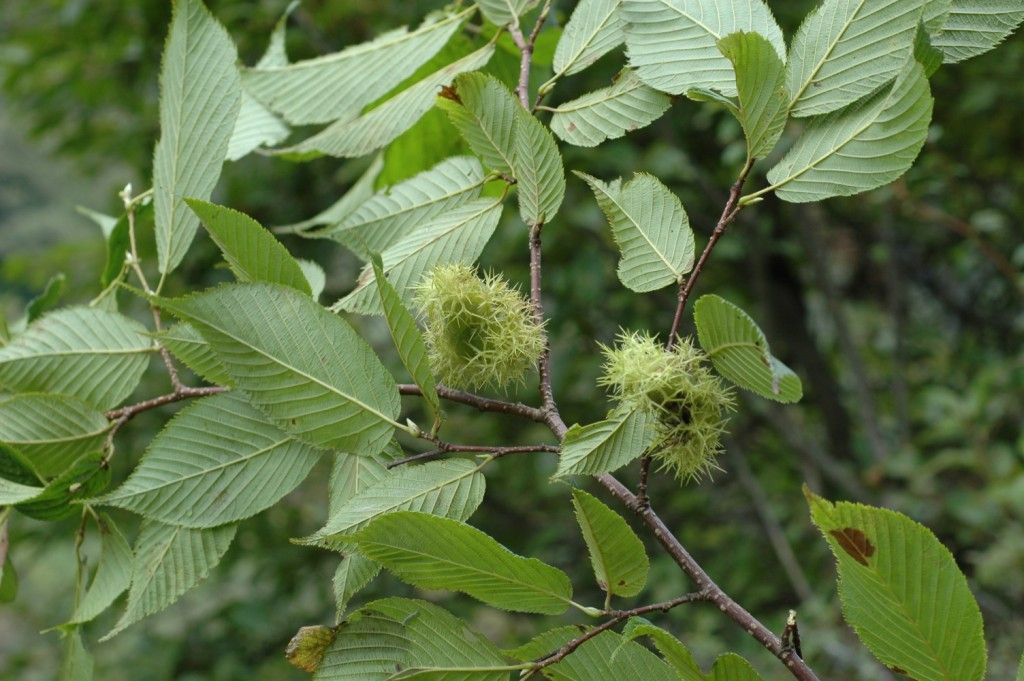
<point x="480" y="332"/>
<point x="690" y="403"/>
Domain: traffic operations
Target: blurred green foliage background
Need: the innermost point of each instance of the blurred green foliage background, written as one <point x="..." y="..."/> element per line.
<point x="900" y="310"/>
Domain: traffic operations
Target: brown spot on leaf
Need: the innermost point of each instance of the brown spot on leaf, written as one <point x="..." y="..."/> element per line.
<point x="448" y="92"/>
<point x="855" y="543"/>
<point x="899" y="670"/>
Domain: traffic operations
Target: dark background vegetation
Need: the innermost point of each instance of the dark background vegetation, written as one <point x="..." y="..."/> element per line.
<point x="900" y="310"/>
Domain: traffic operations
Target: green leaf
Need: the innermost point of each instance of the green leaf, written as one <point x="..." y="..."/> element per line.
<point x="255" y="127"/>
<point x="276" y="53"/>
<point x="740" y="352"/>
<point x="86" y="477"/>
<point x="200" y="95"/>
<point x="537" y="167"/>
<point x="847" y="49"/>
<point x="51" y="431"/>
<point x="609" y="113"/>
<point x="118" y="243"/>
<point x="354" y="573"/>
<point x="92" y="354"/>
<point x="545" y="643"/>
<point x="902" y="592"/>
<point x="306" y="649"/>
<point x="503" y="12"/>
<point x="453" y="489"/>
<point x="616" y="553"/>
<point x="670" y="647"/>
<point x="673" y="44"/>
<point x="14" y="467"/>
<point x="594" y="29"/>
<point x="925" y="53"/>
<point x="457" y="236"/>
<point x="360" y="191"/>
<point x="485" y="112"/>
<point x="650" y="227"/>
<point x="976" y="26"/>
<point x="315" y="277"/>
<point x="408" y="340"/>
<point x="338" y="86"/>
<point x="387" y="216"/>
<point x="76" y="664"/>
<point x="610" y="657"/>
<point x="351" y="138"/>
<point x="167" y="561"/>
<point x="113" y="573"/>
<point x="431" y="552"/>
<point x="306" y="368"/>
<point x="732" y="667"/>
<point x="761" y="83"/>
<point x="250" y="250"/>
<point x="606" y="445"/>
<point x="431" y="140"/>
<point x="8" y="579"/>
<point x="858" y="148"/>
<point x="47" y="299"/>
<point x="398" y="638"/>
<point x="217" y="461"/>
<point x="14" y="492"/>
<point x="189" y="346"/>
<point x="352" y="473"/>
<point x="1020" y="669"/>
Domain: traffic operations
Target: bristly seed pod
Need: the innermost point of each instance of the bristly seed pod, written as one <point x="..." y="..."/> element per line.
<point x="689" y="401"/>
<point x="479" y="331"/>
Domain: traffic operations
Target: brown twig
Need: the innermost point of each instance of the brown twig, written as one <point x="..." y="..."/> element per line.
<point x="645" y="472"/>
<point x="729" y="212"/>
<point x="714" y="593"/>
<point x="547" y="395"/>
<point x="616" y="616"/>
<point x="183" y="393"/>
<point x="451" y="448"/>
<point x="479" y="402"/>
<point x="526" y="45"/>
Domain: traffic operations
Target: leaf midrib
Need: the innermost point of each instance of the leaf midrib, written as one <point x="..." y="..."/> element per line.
<point x="677" y="273"/>
<point x="397" y="506"/>
<point x="368" y="48"/>
<point x="330" y="388"/>
<point x="588" y="41"/>
<point x="470" y="568"/>
<point x="200" y="472"/>
<point x="828" y="53"/>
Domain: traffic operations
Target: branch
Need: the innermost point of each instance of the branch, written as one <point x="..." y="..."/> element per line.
<point x="495" y="451"/>
<point x="729" y="212"/>
<point x="547" y="396"/>
<point x="616" y="617"/>
<point x="182" y="393"/>
<point x="526" y="45"/>
<point x="479" y="401"/>
<point x="714" y="593"/>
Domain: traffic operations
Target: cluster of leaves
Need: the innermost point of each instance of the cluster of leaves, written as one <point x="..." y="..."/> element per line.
<point x="292" y="382"/>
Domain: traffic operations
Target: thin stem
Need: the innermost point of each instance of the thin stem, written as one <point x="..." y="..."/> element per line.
<point x="495" y="452"/>
<point x="615" y="617"/>
<point x="119" y="417"/>
<point x="480" y="402"/>
<point x="645" y="473"/>
<point x="732" y="207"/>
<point x="526" y="45"/>
<point x="544" y="363"/>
